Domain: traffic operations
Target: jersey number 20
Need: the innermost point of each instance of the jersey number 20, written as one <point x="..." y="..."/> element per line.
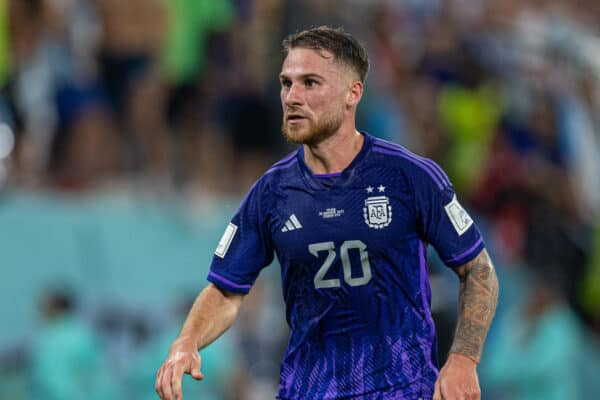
<point x="322" y="283"/>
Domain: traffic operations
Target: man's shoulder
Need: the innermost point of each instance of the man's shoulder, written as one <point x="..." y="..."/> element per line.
<point x="282" y="166"/>
<point x="281" y="171"/>
<point x="415" y="166"/>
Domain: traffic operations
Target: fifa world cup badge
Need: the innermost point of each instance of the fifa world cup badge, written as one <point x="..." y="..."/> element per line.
<point x="377" y="212"/>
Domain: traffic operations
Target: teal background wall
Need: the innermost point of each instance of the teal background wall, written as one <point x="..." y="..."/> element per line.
<point x="111" y="250"/>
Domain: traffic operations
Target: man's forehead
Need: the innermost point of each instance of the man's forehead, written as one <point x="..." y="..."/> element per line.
<point x="303" y="60"/>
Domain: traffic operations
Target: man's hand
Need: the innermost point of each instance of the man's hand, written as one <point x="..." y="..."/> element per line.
<point x="457" y="380"/>
<point x="478" y="298"/>
<point x="212" y="313"/>
<point x="183" y="358"/>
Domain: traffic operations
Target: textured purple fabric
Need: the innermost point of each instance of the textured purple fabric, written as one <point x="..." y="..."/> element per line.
<point x="465" y="253"/>
<point x="422" y="160"/>
<point x="354" y="270"/>
<point x="425" y="167"/>
<point x="327" y="175"/>
<point x="227" y="281"/>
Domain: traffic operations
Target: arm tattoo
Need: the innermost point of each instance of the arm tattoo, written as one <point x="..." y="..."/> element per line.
<point x="478" y="298"/>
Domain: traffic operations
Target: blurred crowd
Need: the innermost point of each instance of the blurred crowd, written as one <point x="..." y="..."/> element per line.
<point x="180" y="97"/>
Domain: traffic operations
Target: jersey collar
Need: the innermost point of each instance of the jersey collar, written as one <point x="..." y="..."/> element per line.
<point x="330" y="181"/>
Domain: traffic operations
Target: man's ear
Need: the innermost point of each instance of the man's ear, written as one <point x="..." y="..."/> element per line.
<point x="354" y="94"/>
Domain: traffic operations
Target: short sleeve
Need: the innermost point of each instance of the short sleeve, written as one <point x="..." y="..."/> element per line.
<point x="245" y="247"/>
<point x="442" y="220"/>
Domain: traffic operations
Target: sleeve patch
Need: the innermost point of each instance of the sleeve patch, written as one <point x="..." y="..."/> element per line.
<point x="226" y="240"/>
<point x="458" y="216"/>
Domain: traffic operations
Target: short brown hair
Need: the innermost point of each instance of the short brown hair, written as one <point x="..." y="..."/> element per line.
<point x="344" y="47"/>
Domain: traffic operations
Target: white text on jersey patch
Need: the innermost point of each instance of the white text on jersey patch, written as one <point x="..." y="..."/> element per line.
<point x="458" y="216"/>
<point x="331" y="213"/>
<point x="226" y="240"/>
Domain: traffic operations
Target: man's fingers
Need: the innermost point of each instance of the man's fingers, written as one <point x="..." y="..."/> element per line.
<point x="160" y="386"/>
<point x="170" y="375"/>
<point x="475" y="394"/>
<point x="437" y="392"/>
<point x="194" y="370"/>
<point x="158" y="382"/>
<point x="175" y="383"/>
<point x="165" y="382"/>
<point x="196" y="373"/>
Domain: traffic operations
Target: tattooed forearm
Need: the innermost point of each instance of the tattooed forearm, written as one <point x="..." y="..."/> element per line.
<point x="478" y="298"/>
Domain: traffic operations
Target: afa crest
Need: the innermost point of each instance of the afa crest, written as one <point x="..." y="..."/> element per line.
<point x="377" y="212"/>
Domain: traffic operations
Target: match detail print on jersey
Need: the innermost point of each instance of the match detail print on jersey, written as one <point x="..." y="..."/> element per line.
<point x="226" y="240"/>
<point x="458" y="216"/>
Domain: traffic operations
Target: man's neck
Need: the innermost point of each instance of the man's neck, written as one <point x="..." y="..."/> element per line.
<point x="335" y="153"/>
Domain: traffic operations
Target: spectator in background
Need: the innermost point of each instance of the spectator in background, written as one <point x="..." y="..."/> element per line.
<point x="591" y="285"/>
<point x="130" y="72"/>
<point x="469" y="111"/>
<point x="190" y="25"/>
<point x="219" y="362"/>
<point x="5" y="55"/>
<point x="31" y="85"/>
<point x="50" y="50"/>
<point x="197" y="31"/>
<point x="85" y="151"/>
<point x="537" y="346"/>
<point x="67" y="359"/>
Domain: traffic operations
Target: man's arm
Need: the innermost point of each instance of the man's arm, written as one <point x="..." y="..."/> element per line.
<point x="212" y="314"/>
<point x="478" y="298"/>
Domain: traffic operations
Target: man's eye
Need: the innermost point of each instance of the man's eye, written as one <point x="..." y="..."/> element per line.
<point x="310" y="83"/>
<point x="286" y="84"/>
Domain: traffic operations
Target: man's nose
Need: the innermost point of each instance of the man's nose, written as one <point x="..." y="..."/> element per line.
<point x="293" y="96"/>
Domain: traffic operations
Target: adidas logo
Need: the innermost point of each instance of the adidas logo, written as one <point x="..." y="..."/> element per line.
<point x="291" y="224"/>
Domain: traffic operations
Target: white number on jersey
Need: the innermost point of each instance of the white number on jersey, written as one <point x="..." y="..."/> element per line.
<point x="329" y="247"/>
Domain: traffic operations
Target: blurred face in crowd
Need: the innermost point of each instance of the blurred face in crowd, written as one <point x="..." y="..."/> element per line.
<point x="316" y="95"/>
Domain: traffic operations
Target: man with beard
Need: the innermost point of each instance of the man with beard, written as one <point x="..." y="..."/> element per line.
<point x="349" y="217"/>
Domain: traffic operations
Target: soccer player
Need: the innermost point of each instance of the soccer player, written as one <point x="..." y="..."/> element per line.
<point x="349" y="217"/>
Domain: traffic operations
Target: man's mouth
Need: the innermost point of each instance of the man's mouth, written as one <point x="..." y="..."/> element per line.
<point x="295" y="117"/>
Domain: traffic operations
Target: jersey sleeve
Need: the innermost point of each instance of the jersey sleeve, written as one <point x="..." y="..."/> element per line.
<point x="443" y="222"/>
<point x="245" y="247"/>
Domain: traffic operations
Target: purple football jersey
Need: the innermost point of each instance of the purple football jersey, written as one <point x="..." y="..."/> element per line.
<point x="352" y="249"/>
